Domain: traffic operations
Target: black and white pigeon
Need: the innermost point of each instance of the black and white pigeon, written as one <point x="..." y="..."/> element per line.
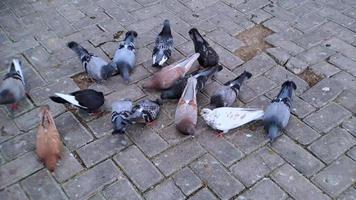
<point x="277" y="114"/>
<point x="202" y="76"/>
<point x="163" y="47"/>
<point x="125" y="57"/>
<point x="96" y="67"/>
<point x="208" y="56"/>
<point x="146" y="111"/>
<point x="87" y="99"/>
<point x="121" y="111"/>
<point x="12" y="89"/>
<point x="225" y="95"/>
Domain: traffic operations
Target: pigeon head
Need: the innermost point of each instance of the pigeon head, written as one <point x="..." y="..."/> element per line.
<point x="7" y="97"/>
<point x="195" y="35"/>
<point x="130" y="36"/>
<point x="205" y="112"/>
<point x="186" y="127"/>
<point x="119" y="126"/>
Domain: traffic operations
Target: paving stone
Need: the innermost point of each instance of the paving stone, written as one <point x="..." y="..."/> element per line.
<point x="203" y="194"/>
<point x="24" y="106"/>
<point x="337" y="177"/>
<point x="97" y="196"/>
<point x="332" y="145"/>
<point x="131" y="92"/>
<point x="300" y="132"/>
<point x="297" y="66"/>
<point x="19" y="145"/>
<point x="225" y="40"/>
<point x="100" y="149"/>
<point x="147" y="140"/>
<point x="132" y="161"/>
<point x="349" y="194"/>
<point x="299" y="158"/>
<point x="216" y="177"/>
<point x="101" y="126"/>
<point x="67" y="166"/>
<point x="187" y="181"/>
<point x="261" y="84"/>
<point x="13" y="192"/>
<point x="91" y="180"/>
<point x="257" y="65"/>
<point x="72" y="131"/>
<point x="344" y="63"/>
<point x="315" y="54"/>
<point x="40" y="184"/>
<point x="220" y="148"/>
<point x="341" y="46"/>
<point x="121" y="189"/>
<point x="8" y="127"/>
<point x="350" y="125"/>
<point x="264" y="189"/>
<point x="171" y="134"/>
<point x="280" y="55"/>
<point x="308" y="21"/>
<point x="327" y="117"/>
<point x="15" y="170"/>
<point x="322" y="93"/>
<point x="166" y="190"/>
<point x="258" y="16"/>
<point x="352" y="153"/>
<point x="228" y="59"/>
<point x="177" y="157"/>
<point x="336" y="16"/>
<point x="225" y="22"/>
<point x="291" y="48"/>
<point x="346" y="80"/>
<point x="2" y="160"/>
<point x="301" y="188"/>
<point x="324" y="69"/>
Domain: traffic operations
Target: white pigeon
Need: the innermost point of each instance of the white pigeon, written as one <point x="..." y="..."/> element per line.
<point x="227" y="118"/>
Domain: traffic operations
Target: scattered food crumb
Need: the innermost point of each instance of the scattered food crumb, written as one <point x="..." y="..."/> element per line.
<point x="325" y="89"/>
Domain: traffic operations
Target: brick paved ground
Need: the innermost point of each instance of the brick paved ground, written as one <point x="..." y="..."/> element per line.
<point x="314" y="159"/>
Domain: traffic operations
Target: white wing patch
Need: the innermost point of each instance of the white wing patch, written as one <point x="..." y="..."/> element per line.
<point x="71" y="99"/>
<point x="18" y="69"/>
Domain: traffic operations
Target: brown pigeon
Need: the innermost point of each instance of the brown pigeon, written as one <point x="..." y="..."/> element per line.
<point x="165" y="78"/>
<point x="187" y="112"/>
<point x="49" y="144"/>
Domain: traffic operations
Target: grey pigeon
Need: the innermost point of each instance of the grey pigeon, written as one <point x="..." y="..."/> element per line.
<point x="125" y="58"/>
<point x="226" y="95"/>
<point x="277" y="114"/>
<point x="121" y="111"/>
<point x="163" y="47"/>
<point x="146" y="111"/>
<point x="12" y="89"/>
<point x="96" y="67"/>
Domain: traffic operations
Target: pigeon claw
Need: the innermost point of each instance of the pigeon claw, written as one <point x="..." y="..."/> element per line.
<point x="219" y="134"/>
<point x="14" y="106"/>
<point x="151" y="124"/>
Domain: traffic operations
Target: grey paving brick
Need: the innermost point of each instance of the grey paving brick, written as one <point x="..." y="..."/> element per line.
<point x="348" y="194"/>
<point x="165" y="190"/>
<point x="346" y="99"/>
<point x="280" y="55"/>
<point x="337" y="177"/>
<point x="264" y="189"/>
<point x="295" y="65"/>
<point x="147" y="140"/>
<point x="101" y="126"/>
<point x="322" y="93"/>
<point x="315" y="54"/>
<point x="187" y="181"/>
<point x="327" y="117"/>
<point x="313" y="38"/>
<point x="346" y="80"/>
<point x="121" y="189"/>
<point x="92" y="180"/>
<point x="341" y="46"/>
<point x="332" y="145"/>
<point x="177" y="157"/>
<point x="13" y="192"/>
<point x="228" y="59"/>
<point x="292" y="48"/>
<point x="301" y="188"/>
<point x="258" y="16"/>
<point x="132" y="161"/>
<point x="216" y="177"/>
<point x="324" y="69"/>
<point x="19" y="145"/>
<point x="97" y="196"/>
<point x="203" y="194"/>
<point x="220" y="148"/>
<point x="350" y="125"/>
<point x="300" y="132"/>
<point x="40" y="184"/>
<point x="298" y="157"/>
<point x="101" y="149"/>
<point x="15" y="170"/>
<point x="261" y="84"/>
<point x="336" y="16"/>
<point x="225" y="40"/>
<point x="171" y="134"/>
<point x="308" y="21"/>
<point x="72" y="131"/>
<point x="67" y="166"/>
<point x="279" y="12"/>
<point x="344" y="63"/>
<point x="257" y="65"/>
<point x="8" y="126"/>
<point x="227" y="24"/>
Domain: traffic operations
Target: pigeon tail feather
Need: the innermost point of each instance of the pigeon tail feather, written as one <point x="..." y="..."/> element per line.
<point x="273" y="132"/>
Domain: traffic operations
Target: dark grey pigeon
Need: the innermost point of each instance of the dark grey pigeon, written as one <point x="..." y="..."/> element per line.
<point x="146" y="111"/>
<point x="163" y="47"/>
<point x="125" y="58"/>
<point x="121" y="111"/>
<point x="277" y="114"/>
<point x="226" y="95"/>
<point x="12" y="89"/>
<point x="96" y="67"/>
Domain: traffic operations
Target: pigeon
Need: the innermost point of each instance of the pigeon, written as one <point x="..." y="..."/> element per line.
<point x="186" y="115"/>
<point x="225" y="95"/>
<point x="163" y="47"/>
<point x="165" y="78"/>
<point x="125" y="58"/>
<point x="278" y="112"/>
<point x="48" y="144"/>
<point x="87" y="99"/>
<point x="202" y="76"/>
<point x="12" y="89"/>
<point x="146" y="111"/>
<point x="208" y="56"/>
<point x="121" y="111"/>
<point x="96" y="67"/>
<point x="227" y="118"/>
